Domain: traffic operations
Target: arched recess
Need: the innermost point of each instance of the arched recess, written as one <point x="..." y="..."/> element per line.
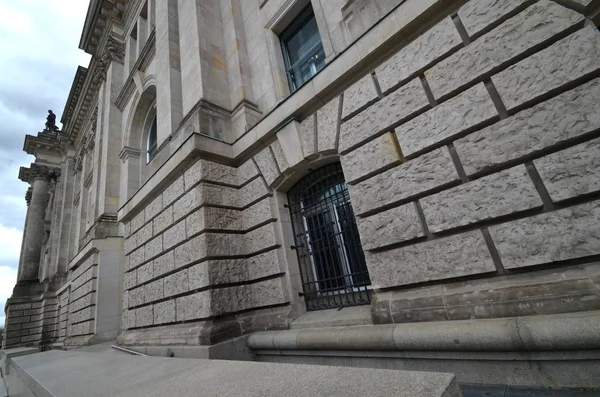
<point x="135" y="145"/>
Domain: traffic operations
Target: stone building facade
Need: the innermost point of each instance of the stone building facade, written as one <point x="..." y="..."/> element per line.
<point x="227" y="167"/>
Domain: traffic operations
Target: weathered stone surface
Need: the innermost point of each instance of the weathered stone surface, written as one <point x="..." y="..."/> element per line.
<point x="447" y="120"/>
<point x="209" y="171"/>
<point x="222" y="218"/>
<point x="533" y="26"/>
<point x="153" y="208"/>
<point x="176" y="283"/>
<point x="244" y="297"/>
<point x="206" y="194"/>
<point x="154" y="291"/>
<point x="566" y="116"/>
<point x="390" y="227"/>
<point x="369" y="158"/>
<point x="477" y="15"/>
<point x="163" y="220"/>
<point x="246" y="171"/>
<point x="307" y="132"/>
<point x="408" y="179"/>
<point x="238" y="270"/>
<point x="163" y="264"/>
<point x="129" y="280"/>
<point x="259" y="239"/>
<point x="82" y="315"/>
<point x="267" y="165"/>
<point x="83" y="302"/>
<point x="198" y="276"/>
<point x="566" y="234"/>
<point x="76" y="329"/>
<point x="426" y="49"/>
<point x="164" y="312"/>
<point x="400" y="104"/>
<point x="144" y="316"/>
<point x="136" y="297"/>
<point x="327" y="126"/>
<point x="173" y="191"/>
<point x="282" y="162"/>
<point x="190" y="251"/>
<point x="496" y="195"/>
<point x="359" y="95"/>
<point x="455" y="256"/>
<point x="252" y="192"/>
<point x="144" y="234"/>
<point x="174" y="235"/>
<point x="128" y="319"/>
<point x="256" y="214"/>
<point x="567" y="60"/>
<point x="153" y="248"/>
<point x="137" y="221"/>
<point x="572" y="172"/>
<point x="192" y="307"/>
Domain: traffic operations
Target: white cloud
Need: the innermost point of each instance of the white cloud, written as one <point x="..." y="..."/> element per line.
<point x="8" y="278"/>
<point x="10" y="245"/>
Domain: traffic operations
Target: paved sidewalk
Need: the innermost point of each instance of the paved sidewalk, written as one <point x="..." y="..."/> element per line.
<point x="483" y="391"/>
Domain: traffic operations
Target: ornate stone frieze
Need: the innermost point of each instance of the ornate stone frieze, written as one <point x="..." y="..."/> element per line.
<point x="114" y="50"/>
<point x="28" y="195"/>
<point x="44" y="172"/>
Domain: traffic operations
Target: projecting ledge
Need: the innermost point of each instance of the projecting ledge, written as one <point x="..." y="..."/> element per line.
<point x="559" y="332"/>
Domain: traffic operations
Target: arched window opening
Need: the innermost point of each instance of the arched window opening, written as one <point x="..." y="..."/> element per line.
<point x="332" y="262"/>
<point x="152" y="141"/>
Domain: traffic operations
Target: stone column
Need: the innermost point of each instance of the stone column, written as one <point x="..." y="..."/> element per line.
<point x="36" y="214"/>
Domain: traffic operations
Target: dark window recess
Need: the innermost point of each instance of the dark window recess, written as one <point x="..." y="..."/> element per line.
<point x="152" y="141"/>
<point x="332" y="263"/>
<point x="302" y="49"/>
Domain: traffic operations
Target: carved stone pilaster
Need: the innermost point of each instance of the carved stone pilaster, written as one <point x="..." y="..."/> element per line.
<point x="114" y="50"/>
<point x="28" y="196"/>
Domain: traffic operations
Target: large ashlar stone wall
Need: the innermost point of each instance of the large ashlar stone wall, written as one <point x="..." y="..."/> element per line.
<point x="472" y="162"/>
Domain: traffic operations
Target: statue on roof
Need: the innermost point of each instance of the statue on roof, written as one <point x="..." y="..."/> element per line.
<point x="51" y="122"/>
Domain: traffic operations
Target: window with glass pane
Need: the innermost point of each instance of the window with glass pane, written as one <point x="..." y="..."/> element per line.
<point x="302" y="49"/>
<point x="152" y="141"/>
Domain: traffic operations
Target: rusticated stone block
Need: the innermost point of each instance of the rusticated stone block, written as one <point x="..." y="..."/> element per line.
<point x="176" y="283"/>
<point x="20" y="306"/>
<point x="205" y="194"/>
<point x="153" y="208"/>
<point x="245" y="172"/>
<point x="190" y="251"/>
<point x="256" y="214"/>
<point x="223" y="244"/>
<point x="222" y="219"/>
<point x="144" y="316"/>
<point x="129" y="280"/>
<point x="556" y="236"/>
<point x="163" y="221"/>
<point x="390" y="227"/>
<point x="82" y="328"/>
<point x="198" y="276"/>
<point x="164" y="312"/>
<point x="383" y="115"/>
<point x="461" y="255"/>
<point x="531" y="27"/>
<point x="565" y="61"/>
<point x="136" y="258"/>
<point x="209" y="171"/>
<point x="136" y="297"/>
<point x="477" y="15"/>
<point x="128" y="319"/>
<point x="259" y="239"/>
<point x="327" y="126"/>
<point x="267" y="165"/>
<point x="559" y="119"/>
<point x="359" y="95"/>
<point x="137" y="221"/>
<point x="507" y="192"/>
<point x="572" y="172"/>
<point x="192" y="307"/>
<point x="82" y="315"/>
<point x="144" y="234"/>
<point x="154" y="291"/>
<point x="153" y="248"/>
<point x="145" y="273"/>
<point x="163" y="264"/>
<point x="446" y="121"/>
<point x="369" y="158"/>
<point x="307" y="132"/>
<point x="426" y="49"/>
<point x="244" y="297"/>
<point x="282" y="162"/>
<point x="173" y="191"/>
<point x="252" y="192"/>
<point x="174" y="235"/>
<point x="408" y="179"/>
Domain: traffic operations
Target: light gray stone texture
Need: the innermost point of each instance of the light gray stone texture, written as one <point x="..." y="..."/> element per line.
<point x="164" y="264"/>
<point x="531" y="27"/>
<point x="174" y="235"/>
<point x="259" y="239"/>
<point x="153" y="248"/>
<point x="154" y="291"/>
<point x="249" y="296"/>
<point x="426" y="49"/>
<point x="204" y="194"/>
<point x="282" y="162"/>
<point x="143" y="235"/>
<point x="327" y="126"/>
<point x="252" y="192"/>
<point x="246" y="171"/>
<point x="571" y="172"/>
<point x="390" y="227"/>
<point x="136" y="297"/>
<point x="176" y="283"/>
<point x="153" y="208"/>
<point x="400" y="104"/>
<point x="556" y="236"/>
<point x="239" y="270"/>
<point x="477" y="15"/>
<point x="163" y="220"/>
<point x="564" y="117"/>
<point x="164" y="312"/>
<point x="256" y="214"/>
<point x="144" y="316"/>
<point x="358" y="95"/>
<point x="145" y="273"/>
<point x="209" y="171"/>
<point x="565" y="61"/>
<point x="198" y="275"/>
<point x="192" y="307"/>
<point x="175" y="190"/>
<point x="267" y="165"/>
<point x="307" y="132"/>
<point x="461" y="255"/>
<point x="408" y="179"/>
<point x="190" y="251"/>
<point x="137" y="221"/>
<point x="447" y="120"/>
<point x="507" y="192"/>
<point x="371" y="157"/>
<point x="128" y="319"/>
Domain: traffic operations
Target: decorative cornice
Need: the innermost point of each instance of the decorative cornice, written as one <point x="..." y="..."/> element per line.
<point x="37" y="171"/>
<point x="74" y="94"/>
<point x="128" y="152"/>
<point x="114" y="50"/>
<point x="99" y="15"/>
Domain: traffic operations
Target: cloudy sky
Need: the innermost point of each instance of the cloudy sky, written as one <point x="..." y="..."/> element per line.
<point x="38" y="60"/>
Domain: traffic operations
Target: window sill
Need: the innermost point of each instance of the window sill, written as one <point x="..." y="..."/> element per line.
<point x="356" y="315"/>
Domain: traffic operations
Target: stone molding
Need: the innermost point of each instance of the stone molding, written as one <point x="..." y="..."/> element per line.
<point x="28" y="195"/>
<point x="114" y="50"/>
<point x="128" y="152"/>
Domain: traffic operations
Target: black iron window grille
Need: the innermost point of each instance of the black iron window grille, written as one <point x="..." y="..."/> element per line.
<point x="332" y="262"/>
